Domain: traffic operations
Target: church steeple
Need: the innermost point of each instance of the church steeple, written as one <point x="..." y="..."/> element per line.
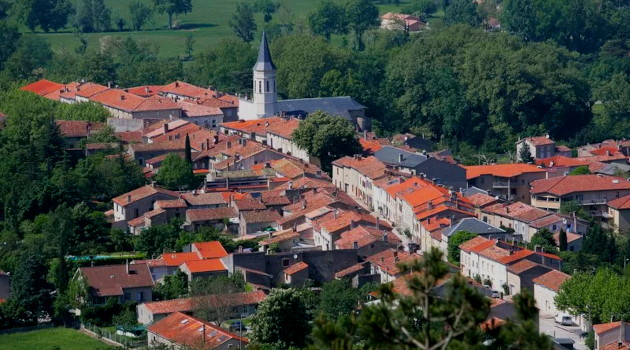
<point x="265" y="96"/>
<point x="264" y="62"/>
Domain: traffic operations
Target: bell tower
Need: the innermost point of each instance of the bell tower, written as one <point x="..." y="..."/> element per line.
<point x="265" y="96"/>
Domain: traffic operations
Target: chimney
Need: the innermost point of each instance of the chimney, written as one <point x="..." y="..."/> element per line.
<point x="165" y="128"/>
<point x="231" y="200"/>
<point x="365" y="135"/>
<point x="177" y="84"/>
<point x="430" y="205"/>
<point x="244" y="142"/>
<point x="400" y="157"/>
<point x="240" y="248"/>
<point x="207" y="143"/>
<point x="109" y="84"/>
<point x="127" y="265"/>
<point x="146" y="89"/>
<point x="128" y="198"/>
<point x="622" y="331"/>
<point x="122" y="97"/>
<point x="355" y="245"/>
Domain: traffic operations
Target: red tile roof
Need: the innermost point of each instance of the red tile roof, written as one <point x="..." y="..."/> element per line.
<point x="621" y="203"/>
<point x="127" y="102"/>
<point x="521" y="266"/>
<point x="540" y="140"/>
<point x="515" y="256"/>
<point x="349" y="270"/>
<point x="42" y="87"/>
<point x="481" y="200"/>
<point x="284" y="129"/>
<point x="501" y="170"/>
<point x="296" y="268"/>
<point x="206" y="265"/>
<point x="141" y="193"/>
<point x="109" y="280"/>
<point x="145" y="90"/>
<point x="195" y="215"/>
<point x="475" y="244"/>
<point x="186" y="330"/>
<point x="198" y="199"/>
<point x="171" y="203"/>
<point x="388" y="260"/>
<point x="258" y="126"/>
<point x="176" y="259"/>
<point x="552" y="280"/>
<point x="188" y="304"/>
<point x="494" y="253"/>
<point x="193" y="109"/>
<point x="369" y="146"/>
<point x="562" y="161"/>
<point x="518" y="210"/>
<point x="370" y="166"/>
<point x="188" y="90"/>
<point x="492" y="323"/>
<point x="129" y="136"/>
<point x="564" y="185"/>
<point x="605" y="327"/>
<point x="363" y="236"/>
<point x="78" y="128"/>
<point x="265" y="216"/>
<point x="88" y="90"/>
<point x="571" y="237"/>
<point x="210" y="250"/>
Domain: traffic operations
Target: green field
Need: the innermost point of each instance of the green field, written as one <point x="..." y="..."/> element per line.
<point x="208" y="23"/>
<point x="48" y="339"/>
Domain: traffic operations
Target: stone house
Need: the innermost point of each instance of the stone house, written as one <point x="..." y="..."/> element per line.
<point x="613" y="335"/>
<point x="539" y="147"/>
<point x="619" y="214"/>
<point x="197" y="218"/>
<point x="546" y="288"/>
<point x="256" y="221"/>
<point x="508" y="181"/>
<point x="128" y="282"/>
<point x="136" y="203"/>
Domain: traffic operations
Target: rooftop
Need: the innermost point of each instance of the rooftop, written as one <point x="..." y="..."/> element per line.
<point x="552" y="280"/>
<point x="295" y="268"/>
<point x="196" y="215"/>
<point x="266" y="216"/>
<point x="564" y="185"/>
<point x="188" y="304"/>
<point x="190" y="331"/>
<point x="109" y="280"/>
<point x="141" y="193"/>
<point x="210" y="250"/>
<point x="501" y="170"/>
<point x="205" y="265"/>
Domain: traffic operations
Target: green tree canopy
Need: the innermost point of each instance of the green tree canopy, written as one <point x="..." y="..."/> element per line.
<point x="243" y="23"/>
<point x="327" y="137"/>
<point x="173" y="7"/>
<point x="360" y="15"/>
<point x="462" y="11"/>
<point x="139" y="14"/>
<point x="455" y="241"/>
<point x="175" y="173"/>
<point x="327" y="19"/>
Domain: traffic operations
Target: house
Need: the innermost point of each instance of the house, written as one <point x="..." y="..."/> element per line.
<point x="143" y="152"/>
<point x="619" y="214"/>
<point x="208" y="200"/>
<point x="367" y="240"/>
<point x="546" y="288"/>
<point x="124" y="105"/>
<point x="424" y="166"/>
<point x="521" y="275"/>
<point x="332" y="225"/>
<point x="469" y="224"/>
<point x="136" y="203"/>
<point x="128" y="282"/>
<point x="197" y="113"/>
<point x="296" y="274"/>
<point x="508" y="181"/>
<point x="622" y="146"/>
<point x="244" y="303"/>
<point x="216" y="217"/>
<point x="356" y="176"/>
<point x="412" y="141"/>
<point x="612" y="336"/>
<point x="285" y="240"/>
<point x="209" y="250"/>
<point x="592" y="192"/>
<point x="73" y="131"/>
<point x="179" y="330"/>
<point x="179" y="90"/>
<point x="5" y="286"/>
<point x="280" y="138"/>
<point x="203" y="268"/>
<point x="400" y="21"/>
<point x="86" y="91"/>
<point x="574" y="241"/>
<point x="385" y="264"/>
<point x="251" y="222"/>
<point x="265" y="101"/>
<point x="539" y="147"/>
<point x="42" y="87"/>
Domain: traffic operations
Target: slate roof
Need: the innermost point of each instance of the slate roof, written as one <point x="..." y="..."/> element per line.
<point x="390" y="155"/>
<point x="338" y="106"/>
<point x="473" y="225"/>
<point x="264" y="62"/>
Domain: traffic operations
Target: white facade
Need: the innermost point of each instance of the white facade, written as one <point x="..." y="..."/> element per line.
<point x="545" y="299"/>
<point x="287" y="146"/>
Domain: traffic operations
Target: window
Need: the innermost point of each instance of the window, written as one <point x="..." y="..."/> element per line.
<point x="141" y="296"/>
<point x="285" y="262"/>
<point x="267" y="85"/>
<point x="260" y="87"/>
<point x="136" y="213"/>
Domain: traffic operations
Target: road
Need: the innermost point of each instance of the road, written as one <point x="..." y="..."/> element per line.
<point x="550" y="327"/>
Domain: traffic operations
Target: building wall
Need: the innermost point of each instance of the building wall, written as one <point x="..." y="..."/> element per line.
<point x="137" y="208"/>
<point x="620" y="219"/>
<point x="545" y="300"/>
<point x="514" y="282"/>
<point x="158" y="114"/>
<point x="144" y="315"/>
<point x="286" y="146"/>
<point x="208" y="121"/>
<point x="593" y="200"/>
<point x="496" y="272"/>
<point x="248" y="228"/>
<point x="138" y="294"/>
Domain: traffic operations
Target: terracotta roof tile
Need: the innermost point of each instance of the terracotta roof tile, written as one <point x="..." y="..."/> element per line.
<point x="494" y="253"/>
<point x="564" y="185"/>
<point x="210" y="250"/>
<point x="199" y="199"/>
<point x="515" y="256"/>
<point x="349" y="270"/>
<point x="621" y="203"/>
<point x="370" y="166"/>
<point x="364" y="236"/>
<point x="188" y="90"/>
<point x="521" y="266"/>
<point x="109" y="280"/>
<point x="176" y="259"/>
<point x="205" y="265"/>
<point x="297" y="267"/>
<point x="482" y="200"/>
<point x="388" y="260"/>
<point x="42" y="87"/>
<point x="141" y="193"/>
<point x="540" y="140"/>
<point x="605" y="327"/>
<point x="88" y="90"/>
<point x="258" y="126"/>
<point x="284" y="129"/>
<point x="78" y="128"/>
<point x="196" y="215"/>
<point x="265" y="216"/>
<point x="552" y="280"/>
<point x="171" y="203"/>
<point x="501" y="170"/>
<point x="475" y="244"/>
<point x="189" y="304"/>
<point x="196" y="109"/>
<point x="182" y="329"/>
<point x="145" y="90"/>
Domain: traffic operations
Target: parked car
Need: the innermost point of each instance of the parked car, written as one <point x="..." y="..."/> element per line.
<point x="564" y="319"/>
<point x="495" y="294"/>
<point x="237" y="326"/>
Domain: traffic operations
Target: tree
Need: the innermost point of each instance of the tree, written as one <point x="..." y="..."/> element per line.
<point x="455" y="241"/>
<point x="242" y="22"/>
<point x="29" y="59"/>
<point x="275" y="325"/>
<point x="9" y="39"/>
<point x="97" y="67"/>
<point x="462" y="11"/>
<point x="519" y="17"/>
<point x="413" y="315"/>
<point x="190" y="41"/>
<point x="580" y="170"/>
<point x="173" y="287"/>
<point x="361" y="15"/>
<point x="158" y="239"/>
<point x="47" y="14"/>
<point x="522" y="332"/>
<point x="525" y="155"/>
<point x="139" y="14"/>
<point x="173" y="7"/>
<point x="175" y="173"/>
<point x="30" y="291"/>
<point x="329" y="18"/>
<point x="327" y="137"/>
<point x="338" y="299"/>
<point x="562" y="241"/>
<point x="544" y="239"/>
<point x="267" y="8"/>
<point x="92" y="16"/>
<point x="215" y="299"/>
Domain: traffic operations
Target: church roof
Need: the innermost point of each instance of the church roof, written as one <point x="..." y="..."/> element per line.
<point x="339" y="106"/>
<point x="264" y="61"/>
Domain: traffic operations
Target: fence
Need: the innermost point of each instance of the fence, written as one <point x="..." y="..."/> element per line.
<point x="125" y="342"/>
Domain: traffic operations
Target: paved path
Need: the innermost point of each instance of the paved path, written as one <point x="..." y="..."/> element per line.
<point x="550" y="327"/>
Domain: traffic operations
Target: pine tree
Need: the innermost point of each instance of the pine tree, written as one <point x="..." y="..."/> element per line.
<point x="562" y="244"/>
<point x="188" y="151"/>
<point x="526" y="154"/>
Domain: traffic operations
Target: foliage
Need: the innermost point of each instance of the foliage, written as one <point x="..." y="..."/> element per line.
<point x="462" y="11"/>
<point x="127" y="319"/>
<point x="267" y="8"/>
<point x="175" y="173"/>
<point x="108" y="177"/>
<point x="525" y="155"/>
<point x="220" y="307"/>
<point x="360" y="15"/>
<point x="30" y="297"/>
<point x="173" y="7"/>
<point x="543" y="238"/>
<point x="173" y="287"/>
<point x="455" y="241"/>
<point x="522" y="332"/>
<point x="29" y="59"/>
<point x="106" y="314"/>
<point x="414" y="318"/>
<point x="243" y="23"/>
<point x="46" y="14"/>
<point x="158" y="239"/>
<point x="92" y="16"/>
<point x="573" y="207"/>
<point x="580" y="170"/>
<point x="338" y="299"/>
<point x="139" y="14"/>
<point x="562" y="241"/>
<point x="273" y="325"/>
<point x="327" y="137"/>
<point x="329" y="18"/>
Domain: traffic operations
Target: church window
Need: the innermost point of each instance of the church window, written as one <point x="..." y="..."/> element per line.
<point x="259" y="86"/>
<point x="267" y="85"/>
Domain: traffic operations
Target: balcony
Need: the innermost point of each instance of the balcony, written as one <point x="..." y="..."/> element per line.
<point x="598" y="201"/>
<point x="502" y="184"/>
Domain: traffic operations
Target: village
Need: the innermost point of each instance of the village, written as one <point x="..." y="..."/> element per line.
<point x="294" y="221"/>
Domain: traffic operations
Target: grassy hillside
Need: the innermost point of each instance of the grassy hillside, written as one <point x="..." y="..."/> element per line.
<point x="51" y="338"/>
<point x="208" y="23"/>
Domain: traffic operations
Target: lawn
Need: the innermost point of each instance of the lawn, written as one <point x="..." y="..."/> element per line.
<point x="208" y="23"/>
<point x="50" y="338"/>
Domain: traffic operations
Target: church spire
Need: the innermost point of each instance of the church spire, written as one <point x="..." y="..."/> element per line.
<point x="264" y="62"/>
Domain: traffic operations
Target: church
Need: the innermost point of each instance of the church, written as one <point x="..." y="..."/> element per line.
<point x="265" y="101"/>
